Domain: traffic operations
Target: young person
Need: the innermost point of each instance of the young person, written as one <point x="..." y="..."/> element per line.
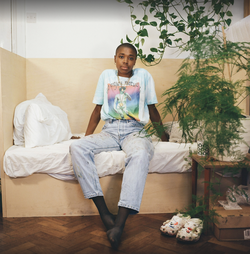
<point x="125" y="99"/>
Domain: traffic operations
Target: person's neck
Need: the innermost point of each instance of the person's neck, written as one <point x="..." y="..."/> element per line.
<point x="127" y="76"/>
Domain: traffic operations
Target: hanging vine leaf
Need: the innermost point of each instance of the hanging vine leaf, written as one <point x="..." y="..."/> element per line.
<point x="228" y="21"/>
<point x="154" y="50"/>
<point x="150" y="58"/>
<point x="128" y="40"/>
<point x="153" y="23"/>
<point x="143" y="33"/>
<point x="229" y="14"/>
<point x="168" y="41"/>
<point x="145" y="18"/>
<point x="144" y="23"/>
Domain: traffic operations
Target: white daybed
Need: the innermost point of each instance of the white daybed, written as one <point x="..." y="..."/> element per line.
<point x="39" y="180"/>
<point x="36" y="192"/>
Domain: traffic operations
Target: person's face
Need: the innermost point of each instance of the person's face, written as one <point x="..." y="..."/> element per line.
<point x="125" y="59"/>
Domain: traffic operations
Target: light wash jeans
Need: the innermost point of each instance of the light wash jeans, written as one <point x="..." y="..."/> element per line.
<point x="116" y="135"/>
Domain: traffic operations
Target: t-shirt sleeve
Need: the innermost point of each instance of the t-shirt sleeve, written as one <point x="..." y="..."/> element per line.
<point x="151" y="97"/>
<point x="99" y="92"/>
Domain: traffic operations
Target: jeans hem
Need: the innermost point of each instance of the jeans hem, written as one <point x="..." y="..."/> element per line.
<point x="89" y="196"/>
<point x="129" y="206"/>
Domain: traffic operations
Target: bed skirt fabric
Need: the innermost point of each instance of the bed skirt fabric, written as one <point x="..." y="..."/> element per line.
<point x="55" y="160"/>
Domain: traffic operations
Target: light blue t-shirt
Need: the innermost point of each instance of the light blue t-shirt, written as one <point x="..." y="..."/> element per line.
<point x="127" y="99"/>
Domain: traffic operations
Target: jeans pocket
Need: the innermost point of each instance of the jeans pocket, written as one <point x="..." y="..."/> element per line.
<point x="136" y="124"/>
<point x="106" y="125"/>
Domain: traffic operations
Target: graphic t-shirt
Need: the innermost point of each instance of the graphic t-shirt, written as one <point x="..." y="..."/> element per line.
<point x="127" y="99"/>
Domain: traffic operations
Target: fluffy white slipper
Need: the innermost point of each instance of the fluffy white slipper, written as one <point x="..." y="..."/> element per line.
<point x="191" y="231"/>
<point x="171" y="227"/>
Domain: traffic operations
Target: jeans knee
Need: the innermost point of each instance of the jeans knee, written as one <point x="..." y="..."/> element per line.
<point x="140" y="155"/>
<point x="78" y="147"/>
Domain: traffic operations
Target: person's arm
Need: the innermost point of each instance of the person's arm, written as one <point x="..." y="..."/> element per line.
<point x="94" y="120"/>
<point x="155" y="118"/>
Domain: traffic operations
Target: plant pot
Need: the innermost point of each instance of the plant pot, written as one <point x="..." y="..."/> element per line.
<point x="202" y="148"/>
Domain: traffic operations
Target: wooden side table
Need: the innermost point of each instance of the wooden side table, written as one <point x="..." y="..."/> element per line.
<point x="208" y="167"/>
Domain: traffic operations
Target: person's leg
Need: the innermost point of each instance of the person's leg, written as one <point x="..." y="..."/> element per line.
<point x="82" y="156"/>
<point x="107" y="217"/>
<point x="114" y="234"/>
<point x="139" y="151"/>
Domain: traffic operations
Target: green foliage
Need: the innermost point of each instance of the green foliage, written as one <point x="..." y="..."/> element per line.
<point x="205" y="96"/>
<point x="200" y="211"/>
<point x="164" y="16"/>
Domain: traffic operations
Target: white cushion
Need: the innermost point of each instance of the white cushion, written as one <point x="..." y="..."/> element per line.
<point x="19" y="117"/>
<point x="240" y="148"/>
<point x="175" y="132"/>
<point x="45" y="125"/>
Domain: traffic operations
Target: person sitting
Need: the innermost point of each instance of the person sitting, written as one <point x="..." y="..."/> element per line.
<point x="125" y="115"/>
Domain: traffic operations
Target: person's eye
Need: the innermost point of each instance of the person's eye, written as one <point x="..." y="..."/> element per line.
<point x="131" y="58"/>
<point x="120" y="56"/>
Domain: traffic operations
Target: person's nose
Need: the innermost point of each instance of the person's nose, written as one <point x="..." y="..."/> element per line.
<point x="125" y="60"/>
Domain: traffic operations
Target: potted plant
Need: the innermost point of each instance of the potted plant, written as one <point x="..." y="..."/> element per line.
<point x="205" y="96"/>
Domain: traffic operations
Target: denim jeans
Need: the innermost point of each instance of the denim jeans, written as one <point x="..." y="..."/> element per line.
<point x="116" y="135"/>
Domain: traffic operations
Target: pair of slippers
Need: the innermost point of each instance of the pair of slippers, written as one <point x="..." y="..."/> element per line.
<point x="185" y="228"/>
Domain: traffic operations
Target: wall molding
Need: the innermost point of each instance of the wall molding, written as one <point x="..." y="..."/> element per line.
<point x="246" y="8"/>
<point x="13" y="11"/>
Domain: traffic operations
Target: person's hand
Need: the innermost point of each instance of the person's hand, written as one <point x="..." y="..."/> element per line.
<point x="165" y="137"/>
<point x="75" y="137"/>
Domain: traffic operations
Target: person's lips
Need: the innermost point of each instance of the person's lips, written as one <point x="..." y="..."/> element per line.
<point x="124" y="67"/>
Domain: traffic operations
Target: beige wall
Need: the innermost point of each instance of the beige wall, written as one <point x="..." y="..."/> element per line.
<point x="12" y="92"/>
<point x="67" y="83"/>
<point x="71" y="83"/>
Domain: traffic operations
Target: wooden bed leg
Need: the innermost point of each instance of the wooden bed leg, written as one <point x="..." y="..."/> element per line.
<point x="207" y="174"/>
<point x="194" y="180"/>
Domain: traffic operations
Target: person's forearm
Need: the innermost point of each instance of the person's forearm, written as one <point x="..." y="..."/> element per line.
<point x="94" y="120"/>
<point x="157" y="122"/>
<point x="161" y="133"/>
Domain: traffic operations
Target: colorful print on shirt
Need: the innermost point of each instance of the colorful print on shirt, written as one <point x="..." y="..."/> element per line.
<point x="123" y="100"/>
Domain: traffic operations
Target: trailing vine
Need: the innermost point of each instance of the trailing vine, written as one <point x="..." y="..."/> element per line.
<point x="178" y="22"/>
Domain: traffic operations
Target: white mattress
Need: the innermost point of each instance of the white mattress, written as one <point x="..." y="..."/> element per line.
<point x="55" y="160"/>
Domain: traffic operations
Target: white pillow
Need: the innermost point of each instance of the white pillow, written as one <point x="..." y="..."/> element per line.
<point x="175" y="132"/>
<point x="45" y="125"/>
<point x="19" y="117"/>
<point x="240" y="149"/>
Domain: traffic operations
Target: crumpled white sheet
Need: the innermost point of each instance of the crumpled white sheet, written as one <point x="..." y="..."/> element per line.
<point x="55" y="160"/>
